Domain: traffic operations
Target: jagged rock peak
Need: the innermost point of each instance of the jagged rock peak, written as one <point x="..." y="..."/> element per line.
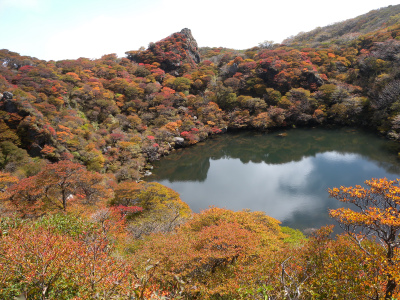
<point x="172" y="52"/>
<point x="188" y="33"/>
<point x="192" y="45"/>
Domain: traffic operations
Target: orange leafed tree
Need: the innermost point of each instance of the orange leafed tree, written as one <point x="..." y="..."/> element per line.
<point x="39" y="263"/>
<point x="37" y="259"/>
<point x="215" y="253"/>
<point x="377" y="217"/>
<point x="6" y="179"/>
<point x="55" y="187"/>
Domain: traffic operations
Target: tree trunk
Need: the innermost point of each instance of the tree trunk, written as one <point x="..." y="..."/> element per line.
<point x="391" y="283"/>
<point x="390" y="286"/>
<point x="64" y="200"/>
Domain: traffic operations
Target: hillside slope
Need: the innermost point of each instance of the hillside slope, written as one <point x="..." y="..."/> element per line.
<point x="348" y="30"/>
<point x="102" y="112"/>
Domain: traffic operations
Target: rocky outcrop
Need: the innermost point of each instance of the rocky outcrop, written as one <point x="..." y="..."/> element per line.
<point x="7" y="103"/>
<point x="313" y="78"/>
<point x="191" y="45"/>
<point x="172" y="53"/>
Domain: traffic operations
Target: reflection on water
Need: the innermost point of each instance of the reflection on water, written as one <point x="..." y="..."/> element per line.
<point x="287" y="177"/>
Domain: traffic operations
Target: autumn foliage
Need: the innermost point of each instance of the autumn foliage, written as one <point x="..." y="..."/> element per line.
<point x="77" y="136"/>
<point x="56" y="187"/>
<point x="41" y="264"/>
<point x="214" y="254"/>
<point x="376" y="216"/>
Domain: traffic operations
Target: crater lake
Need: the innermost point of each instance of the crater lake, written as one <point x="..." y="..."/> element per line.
<point x="285" y="174"/>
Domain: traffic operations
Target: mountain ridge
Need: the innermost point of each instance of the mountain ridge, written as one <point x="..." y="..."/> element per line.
<point x="350" y="29"/>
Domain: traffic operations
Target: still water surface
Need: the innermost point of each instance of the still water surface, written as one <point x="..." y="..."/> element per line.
<point x="286" y="177"/>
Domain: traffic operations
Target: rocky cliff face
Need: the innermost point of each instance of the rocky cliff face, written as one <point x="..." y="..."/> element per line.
<point x="192" y="48"/>
<point x="174" y="53"/>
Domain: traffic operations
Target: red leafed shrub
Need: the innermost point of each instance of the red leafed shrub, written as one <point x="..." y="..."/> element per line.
<point x="215" y="130"/>
<point x="125" y="210"/>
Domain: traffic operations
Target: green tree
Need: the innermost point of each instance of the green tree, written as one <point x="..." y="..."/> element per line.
<point x="163" y="209"/>
<point x="181" y="84"/>
<point x="10" y="153"/>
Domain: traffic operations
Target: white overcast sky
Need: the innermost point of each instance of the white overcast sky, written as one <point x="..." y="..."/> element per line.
<point x="69" y="29"/>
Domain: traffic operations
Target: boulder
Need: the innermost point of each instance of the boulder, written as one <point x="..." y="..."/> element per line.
<point x="7" y="96"/>
<point x="179" y="140"/>
<point x="147" y="173"/>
